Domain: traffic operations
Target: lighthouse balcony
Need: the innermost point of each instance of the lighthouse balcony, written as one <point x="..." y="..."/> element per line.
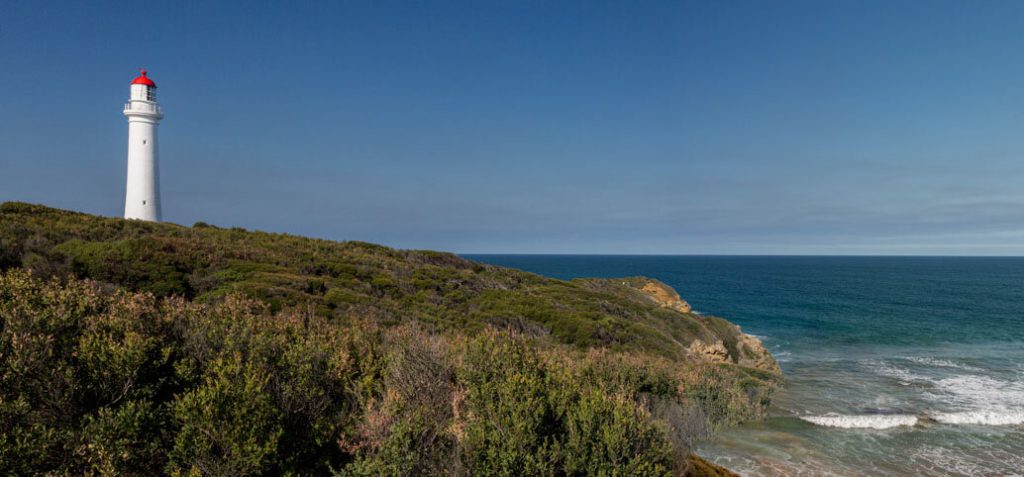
<point x="142" y="107"/>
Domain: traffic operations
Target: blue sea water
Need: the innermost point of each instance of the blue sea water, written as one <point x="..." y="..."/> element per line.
<point x="894" y="365"/>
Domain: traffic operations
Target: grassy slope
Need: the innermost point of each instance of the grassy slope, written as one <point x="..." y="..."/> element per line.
<point x="347" y="286"/>
<point x="347" y="279"/>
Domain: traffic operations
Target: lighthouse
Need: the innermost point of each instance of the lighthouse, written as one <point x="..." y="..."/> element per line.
<point x="142" y="196"/>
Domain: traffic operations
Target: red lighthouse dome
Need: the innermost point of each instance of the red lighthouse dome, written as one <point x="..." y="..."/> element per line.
<point x="143" y="79"/>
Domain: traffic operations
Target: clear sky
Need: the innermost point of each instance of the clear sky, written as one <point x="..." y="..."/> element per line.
<point x="819" y="127"/>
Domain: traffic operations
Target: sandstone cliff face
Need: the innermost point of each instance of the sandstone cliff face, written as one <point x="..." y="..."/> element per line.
<point x="755" y="354"/>
<point x="750" y="352"/>
<point x="665" y="296"/>
<point x="727" y="343"/>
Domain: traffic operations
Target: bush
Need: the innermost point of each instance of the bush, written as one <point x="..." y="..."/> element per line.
<point x="229" y="424"/>
<point x="612" y="436"/>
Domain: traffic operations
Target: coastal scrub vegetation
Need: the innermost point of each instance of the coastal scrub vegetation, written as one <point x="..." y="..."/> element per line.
<point x="132" y="348"/>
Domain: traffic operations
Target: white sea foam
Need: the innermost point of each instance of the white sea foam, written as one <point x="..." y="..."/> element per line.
<point x="862" y="421"/>
<point x="943" y="461"/>
<point x="983" y="418"/>
<point x="903" y="375"/>
<point x="942" y="363"/>
<point x="979" y="392"/>
<point x="963" y="399"/>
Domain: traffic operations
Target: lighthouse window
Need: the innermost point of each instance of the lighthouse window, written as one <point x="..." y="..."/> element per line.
<point x="150" y="94"/>
<point x="143" y="141"/>
<point x="143" y="202"/>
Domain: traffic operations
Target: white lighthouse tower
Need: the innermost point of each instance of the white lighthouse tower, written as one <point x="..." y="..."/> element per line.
<point x="142" y="198"/>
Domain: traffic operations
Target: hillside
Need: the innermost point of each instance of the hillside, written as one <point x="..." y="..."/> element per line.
<point x="345" y="357"/>
<point x="355" y="279"/>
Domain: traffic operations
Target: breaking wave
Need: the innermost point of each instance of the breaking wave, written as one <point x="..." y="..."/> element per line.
<point x="984" y="418"/>
<point x="888" y="421"/>
<point x="862" y="421"/>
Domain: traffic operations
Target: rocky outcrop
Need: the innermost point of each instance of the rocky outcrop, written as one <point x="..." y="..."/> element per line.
<point x="698" y="467"/>
<point x="754" y="354"/>
<point x="716" y="352"/>
<point x="665" y="296"/>
<point x="748" y="351"/>
<point x="727" y="343"/>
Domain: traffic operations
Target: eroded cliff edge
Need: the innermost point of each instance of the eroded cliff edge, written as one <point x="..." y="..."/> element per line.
<point x="715" y="339"/>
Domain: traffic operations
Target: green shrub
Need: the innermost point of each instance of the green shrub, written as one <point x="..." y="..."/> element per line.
<point x="127" y="438"/>
<point x="511" y="423"/>
<point x="611" y="436"/>
<point x="228" y="425"/>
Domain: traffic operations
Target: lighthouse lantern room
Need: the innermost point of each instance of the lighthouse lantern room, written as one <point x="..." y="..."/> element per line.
<point x="142" y="195"/>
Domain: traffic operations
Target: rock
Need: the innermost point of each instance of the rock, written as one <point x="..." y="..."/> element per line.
<point x="754" y="354"/>
<point x="743" y="349"/>
<point x="751" y="352"/>
<point x="698" y="467"/>
<point x="665" y="296"/>
<point x="715" y="352"/>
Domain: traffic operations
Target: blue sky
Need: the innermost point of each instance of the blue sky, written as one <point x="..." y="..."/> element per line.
<point x="837" y="127"/>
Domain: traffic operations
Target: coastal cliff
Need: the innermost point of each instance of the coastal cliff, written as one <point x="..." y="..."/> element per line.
<point x="719" y="342"/>
<point x="210" y="350"/>
<point x="742" y="349"/>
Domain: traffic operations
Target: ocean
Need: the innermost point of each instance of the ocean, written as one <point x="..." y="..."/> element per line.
<point x="893" y="365"/>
